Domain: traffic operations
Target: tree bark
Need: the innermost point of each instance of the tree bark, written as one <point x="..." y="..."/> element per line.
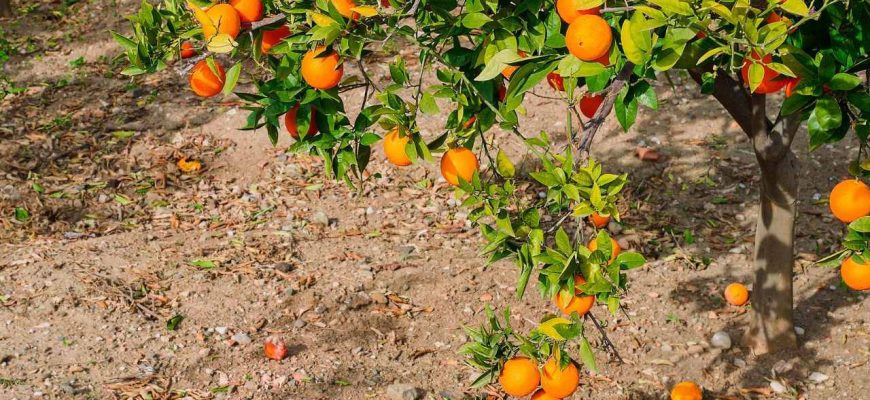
<point x="5" y="8"/>
<point x="772" y="324"/>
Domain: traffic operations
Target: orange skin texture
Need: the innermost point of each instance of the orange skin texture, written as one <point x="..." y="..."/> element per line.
<point x="856" y="276"/>
<point x="589" y="104"/>
<point x="614" y="252"/>
<point x="556" y="82"/>
<point x="850" y="200"/>
<point x="542" y="395"/>
<point x="225" y="19"/>
<point x="686" y="391"/>
<point x="394" y="148"/>
<point x="559" y="383"/>
<point x="519" y="377"/>
<point x="598" y="220"/>
<point x="510" y="69"/>
<point x="790" y="85"/>
<point x="187" y="50"/>
<point x="769" y="84"/>
<point x="293" y="129"/>
<point x="577" y="303"/>
<point x="569" y="11"/>
<point x="736" y="294"/>
<point x="589" y="37"/>
<point x="322" y="71"/>
<point x="204" y="82"/>
<point x="249" y="10"/>
<point x="456" y="163"/>
<point x="273" y="37"/>
<point x="344" y="6"/>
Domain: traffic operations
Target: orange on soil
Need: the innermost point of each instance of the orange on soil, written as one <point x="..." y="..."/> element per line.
<point x="542" y="395"/>
<point x="322" y="70"/>
<point x="204" y="82"/>
<point x="249" y="10"/>
<point x="458" y="162"/>
<point x="598" y="220"/>
<point x="225" y="19"/>
<point x="576" y="303"/>
<point x="736" y="294"/>
<point x="293" y="129"/>
<point x="850" y="200"/>
<point x="187" y="50"/>
<point x="856" y="276"/>
<point x="614" y="248"/>
<point x="556" y="82"/>
<point x="559" y="382"/>
<point x="589" y="37"/>
<point x="519" y="377"/>
<point x="569" y="11"/>
<point x="273" y="37"/>
<point x="589" y="104"/>
<point x="769" y="83"/>
<point x="510" y="69"/>
<point x="394" y="148"/>
<point x="686" y="391"/>
<point x="344" y="6"/>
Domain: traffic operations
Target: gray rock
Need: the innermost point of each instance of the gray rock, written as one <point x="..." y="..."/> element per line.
<point x="817" y="377"/>
<point x="778" y="387"/>
<point x="800" y="331"/>
<point x="242" y="338"/>
<point x="378" y="297"/>
<point x="695" y="349"/>
<point x="721" y="340"/>
<point x="359" y="300"/>
<point x="221" y="330"/>
<point x="319" y="218"/>
<point x="403" y="391"/>
<point x="739" y="363"/>
<point x="299" y="323"/>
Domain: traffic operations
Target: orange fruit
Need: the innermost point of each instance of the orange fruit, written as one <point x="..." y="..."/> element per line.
<point x="273" y="37"/>
<point x="394" y="148"/>
<point x="850" y="200"/>
<point x="344" y="6"/>
<point x="736" y="294"/>
<point x="769" y="83"/>
<point x="187" y="50"/>
<point x="556" y="82"/>
<point x="790" y="85"/>
<point x="856" y="276"/>
<point x="519" y="377"/>
<point x="510" y="69"/>
<point x="249" y="10"/>
<point x="577" y="303"/>
<point x="322" y="69"/>
<point x="458" y="162"/>
<point x="686" y="391"/>
<point x="293" y="129"/>
<point x="204" y="82"/>
<point x="590" y="103"/>
<point x="588" y="37"/>
<point x="274" y="348"/>
<point x="569" y="11"/>
<point x="598" y="220"/>
<point x="559" y="382"/>
<point x="542" y="395"/>
<point x="225" y="19"/>
<point x="467" y="124"/>
<point x="593" y="245"/>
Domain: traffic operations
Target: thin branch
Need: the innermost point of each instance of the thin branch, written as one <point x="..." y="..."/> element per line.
<point x="607" y="343"/>
<point x="598" y="119"/>
<point x="266" y="21"/>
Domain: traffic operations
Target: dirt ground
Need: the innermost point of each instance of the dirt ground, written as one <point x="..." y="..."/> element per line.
<point x="370" y="288"/>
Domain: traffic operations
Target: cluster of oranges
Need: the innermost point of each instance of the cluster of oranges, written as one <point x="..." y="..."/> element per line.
<point x="520" y="377"/>
<point x="771" y="82"/>
<point x="850" y="200"/>
<point x="456" y="163"/>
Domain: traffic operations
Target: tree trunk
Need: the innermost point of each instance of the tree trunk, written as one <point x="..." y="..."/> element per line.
<point x="772" y="324"/>
<point x="5" y="8"/>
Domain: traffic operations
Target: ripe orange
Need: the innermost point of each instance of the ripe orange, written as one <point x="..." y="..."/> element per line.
<point x="569" y="11"/>
<point x="769" y="83"/>
<point x="322" y="69"/>
<point x="394" y="148"/>
<point x="187" y="50"/>
<point x="736" y="294"/>
<point x="590" y="103"/>
<point x="519" y="377"/>
<point x="588" y="37"/>
<point x="344" y="6"/>
<point x="559" y="382"/>
<point x="467" y="124"/>
<point x="593" y="245"/>
<point x="249" y="10"/>
<point x="225" y="19"/>
<point x="510" y="69"/>
<point x="293" y="129"/>
<point x="556" y="82"/>
<point x="790" y="85"/>
<point x="577" y="303"/>
<point x="850" y="200"/>
<point x="686" y="391"/>
<point x="542" y="395"/>
<point x="458" y="162"/>
<point x="856" y="276"/>
<point x="274" y="348"/>
<point x="598" y="220"/>
<point x="204" y="82"/>
<point x="273" y="37"/>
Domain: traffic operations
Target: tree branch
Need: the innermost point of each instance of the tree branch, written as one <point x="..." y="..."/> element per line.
<point x="733" y="96"/>
<point x="5" y="8"/>
<point x="604" y="110"/>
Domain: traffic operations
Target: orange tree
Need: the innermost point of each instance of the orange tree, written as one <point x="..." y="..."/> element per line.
<point x="486" y="55"/>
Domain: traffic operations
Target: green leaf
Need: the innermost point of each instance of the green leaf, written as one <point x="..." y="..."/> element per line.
<point x="428" y="104"/>
<point x="630" y="260"/>
<point x="504" y="166"/>
<point x="827" y="113"/>
<point x="126" y="43"/>
<point x="563" y="243"/>
<point x="844" y="81"/>
<point x="756" y="75"/>
<point x="631" y="49"/>
<point x="172" y="323"/>
<point x="122" y="200"/>
<point x="587" y="355"/>
<point x="646" y="96"/>
<point x="673" y="6"/>
<point x="204" y="264"/>
<point x="794" y="103"/>
<point x="796" y="7"/>
<point x="475" y="20"/>
<point x="711" y="53"/>
<point x="861" y="225"/>
<point x="497" y="64"/>
<point x="232" y="78"/>
<point x="21" y="214"/>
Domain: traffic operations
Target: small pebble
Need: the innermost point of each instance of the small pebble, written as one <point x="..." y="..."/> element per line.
<point x="721" y="340"/>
